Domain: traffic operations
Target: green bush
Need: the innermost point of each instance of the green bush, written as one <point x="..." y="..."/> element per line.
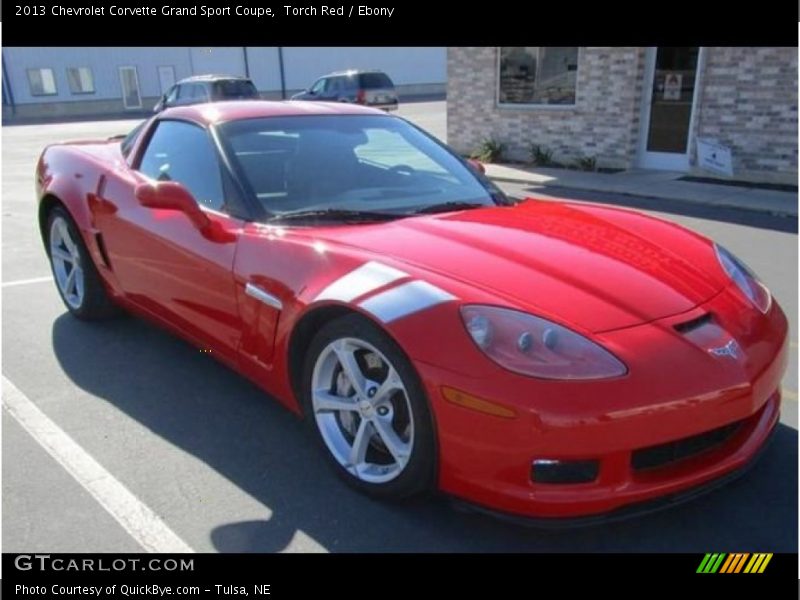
<point x="541" y="156"/>
<point x="489" y="150"/>
<point x="587" y="163"/>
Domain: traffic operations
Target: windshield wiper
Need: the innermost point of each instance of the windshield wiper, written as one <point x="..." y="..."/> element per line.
<point x="447" y="207"/>
<point x="336" y="214"/>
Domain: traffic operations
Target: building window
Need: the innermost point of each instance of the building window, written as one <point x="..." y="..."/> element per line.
<point x="80" y="80"/>
<point x="42" y="82"/>
<point x="536" y="75"/>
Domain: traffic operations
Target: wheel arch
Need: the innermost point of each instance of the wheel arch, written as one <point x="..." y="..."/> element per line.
<point x="300" y="338"/>
<point x="48" y="202"/>
<point x="307" y="327"/>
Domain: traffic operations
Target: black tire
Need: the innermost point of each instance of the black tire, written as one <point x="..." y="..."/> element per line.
<point x="95" y="304"/>
<point x="418" y="474"/>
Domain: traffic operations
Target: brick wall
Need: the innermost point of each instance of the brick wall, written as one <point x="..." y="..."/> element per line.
<point x="603" y="122"/>
<point x="748" y="101"/>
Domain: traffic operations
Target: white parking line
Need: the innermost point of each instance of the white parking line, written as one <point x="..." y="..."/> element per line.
<point x="26" y="281"/>
<point x="147" y="528"/>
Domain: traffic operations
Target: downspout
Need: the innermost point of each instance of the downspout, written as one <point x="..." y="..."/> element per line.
<point x="246" y="63"/>
<point x="283" y="74"/>
<point x="7" y="87"/>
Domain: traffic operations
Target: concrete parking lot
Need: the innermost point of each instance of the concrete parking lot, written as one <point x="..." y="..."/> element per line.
<point x="226" y="469"/>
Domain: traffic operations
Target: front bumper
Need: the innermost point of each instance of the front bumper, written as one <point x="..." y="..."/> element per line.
<point x="674" y="390"/>
<point x="630" y="511"/>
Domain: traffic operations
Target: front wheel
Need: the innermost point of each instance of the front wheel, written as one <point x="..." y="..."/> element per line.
<point x="368" y="409"/>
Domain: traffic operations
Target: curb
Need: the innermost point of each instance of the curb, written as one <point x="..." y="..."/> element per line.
<point x="775" y="213"/>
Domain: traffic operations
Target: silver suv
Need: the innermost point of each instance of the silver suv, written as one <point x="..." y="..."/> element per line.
<point x="370" y="88"/>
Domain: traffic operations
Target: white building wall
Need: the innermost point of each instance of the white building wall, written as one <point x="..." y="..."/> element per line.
<point x="104" y="62"/>
<point x="414" y="70"/>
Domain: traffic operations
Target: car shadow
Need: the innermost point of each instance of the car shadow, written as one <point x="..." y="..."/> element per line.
<point x="726" y="214"/>
<point x="215" y="415"/>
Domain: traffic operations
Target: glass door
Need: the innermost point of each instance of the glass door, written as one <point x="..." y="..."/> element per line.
<point x="667" y="106"/>
<point x="129" y="80"/>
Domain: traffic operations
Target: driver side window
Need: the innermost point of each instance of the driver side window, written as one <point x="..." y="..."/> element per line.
<point x="183" y="152"/>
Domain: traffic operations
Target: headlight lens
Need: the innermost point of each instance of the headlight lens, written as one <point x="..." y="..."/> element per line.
<point x="537" y="347"/>
<point x="745" y="279"/>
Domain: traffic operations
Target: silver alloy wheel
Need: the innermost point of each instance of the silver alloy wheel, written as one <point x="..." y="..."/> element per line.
<point x="66" y="260"/>
<point x="362" y="410"/>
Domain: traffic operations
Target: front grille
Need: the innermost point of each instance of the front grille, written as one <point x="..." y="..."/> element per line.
<point x="672" y="452"/>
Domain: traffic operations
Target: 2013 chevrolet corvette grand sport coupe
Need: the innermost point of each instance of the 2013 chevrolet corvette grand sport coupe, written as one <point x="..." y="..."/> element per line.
<point x="539" y="359"/>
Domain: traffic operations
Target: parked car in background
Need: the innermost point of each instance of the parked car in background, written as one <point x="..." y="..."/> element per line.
<point x="207" y="88"/>
<point x="370" y="88"/>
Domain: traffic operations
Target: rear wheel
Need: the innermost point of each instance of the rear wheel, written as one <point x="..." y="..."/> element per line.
<point x="77" y="279"/>
<point x="368" y="409"/>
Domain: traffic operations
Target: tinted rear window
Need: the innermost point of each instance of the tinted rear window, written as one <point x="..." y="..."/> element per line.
<point x="236" y="88"/>
<point x="371" y="81"/>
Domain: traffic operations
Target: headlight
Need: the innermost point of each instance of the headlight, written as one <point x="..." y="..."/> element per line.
<point x="745" y="279"/>
<point x="536" y="347"/>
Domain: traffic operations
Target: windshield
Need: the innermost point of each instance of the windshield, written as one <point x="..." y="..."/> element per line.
<point x="233" y="89"/>
<point x="350" y="163"/>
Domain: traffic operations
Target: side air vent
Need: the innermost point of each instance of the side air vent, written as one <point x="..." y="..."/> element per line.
<point x="101" y="246"/>
<point x="697" y="323"/>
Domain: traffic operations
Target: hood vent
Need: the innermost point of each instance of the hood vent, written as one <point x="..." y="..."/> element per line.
<point x="693" y="324"/>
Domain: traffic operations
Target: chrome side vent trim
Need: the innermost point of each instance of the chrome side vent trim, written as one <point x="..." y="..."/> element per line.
<point x="262" y="296"/>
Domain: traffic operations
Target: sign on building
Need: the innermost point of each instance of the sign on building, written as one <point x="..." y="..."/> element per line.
<point x="713" y="156"/>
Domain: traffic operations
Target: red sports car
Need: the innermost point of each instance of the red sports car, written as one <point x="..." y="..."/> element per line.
<point x="537" y="359"/>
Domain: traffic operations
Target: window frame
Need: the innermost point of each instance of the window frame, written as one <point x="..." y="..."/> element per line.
<point x="528" y="105"/>
<point x="44" y="94"/>
<point x="91" y="77"/>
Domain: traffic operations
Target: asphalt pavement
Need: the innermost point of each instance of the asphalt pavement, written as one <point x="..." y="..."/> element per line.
<point x="224" y="468"/>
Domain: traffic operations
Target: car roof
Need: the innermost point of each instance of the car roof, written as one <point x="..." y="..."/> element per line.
<point x="201" y="78"/>
<point x="234" y="110"/>
<point x="351" y="72"/>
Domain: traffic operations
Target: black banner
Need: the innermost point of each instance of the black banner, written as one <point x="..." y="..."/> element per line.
<point x="291" y="576"/>
<point x="245" y="22"/>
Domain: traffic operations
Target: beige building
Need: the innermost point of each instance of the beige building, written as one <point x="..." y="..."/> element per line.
<point x="713" y="111"/>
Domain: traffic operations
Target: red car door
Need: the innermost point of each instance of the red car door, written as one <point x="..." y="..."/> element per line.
<point x="162" y="261"/>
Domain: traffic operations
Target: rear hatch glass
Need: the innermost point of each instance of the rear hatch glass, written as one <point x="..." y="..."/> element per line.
<point x="236" y="89"/>
<point x="374" y="81"/>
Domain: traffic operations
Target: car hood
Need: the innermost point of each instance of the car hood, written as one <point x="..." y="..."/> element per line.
<point x="596" y="268"/>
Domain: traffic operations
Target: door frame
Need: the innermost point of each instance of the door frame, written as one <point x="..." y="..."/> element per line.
<point x="122" y="87"/>
<point x="668" y="161"/>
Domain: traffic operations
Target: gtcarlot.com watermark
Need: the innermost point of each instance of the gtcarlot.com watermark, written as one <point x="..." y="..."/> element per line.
<point x="44" y="562"/>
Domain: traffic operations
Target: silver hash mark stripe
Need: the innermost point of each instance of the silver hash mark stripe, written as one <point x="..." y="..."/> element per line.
<point x="404" y="300"/>
<point x="369" y="276"/>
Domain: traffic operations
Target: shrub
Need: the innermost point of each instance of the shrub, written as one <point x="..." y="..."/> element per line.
<point x="489" y="150"/>
<point x="541" y="156"/>
<point x="587" y="163"/>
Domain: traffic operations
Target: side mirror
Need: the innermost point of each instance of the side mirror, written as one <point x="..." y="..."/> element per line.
<point x="477" y="165"/>
<point x="171" y="195"/>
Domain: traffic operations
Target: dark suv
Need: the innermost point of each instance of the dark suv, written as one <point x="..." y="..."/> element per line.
<point x="371" y="88"/>
<point x="207" y="88"/>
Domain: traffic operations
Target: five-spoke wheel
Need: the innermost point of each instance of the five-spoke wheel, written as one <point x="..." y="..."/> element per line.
<point x="368" y="409"/>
